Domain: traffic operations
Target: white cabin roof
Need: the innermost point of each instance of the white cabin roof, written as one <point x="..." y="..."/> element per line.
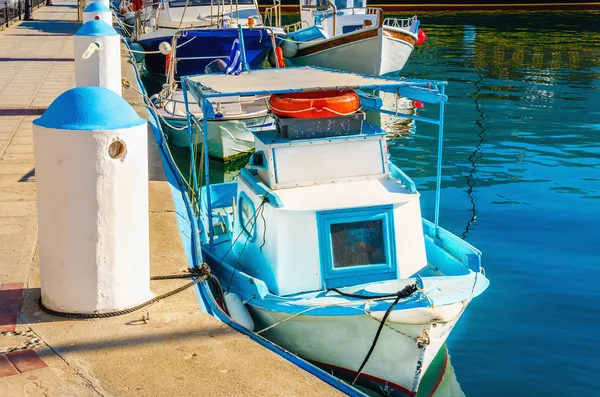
<point x="355" y="194"/>
<point x="286" y="79"/>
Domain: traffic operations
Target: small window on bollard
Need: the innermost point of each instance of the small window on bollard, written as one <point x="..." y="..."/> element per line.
<point x="116" y="150"/>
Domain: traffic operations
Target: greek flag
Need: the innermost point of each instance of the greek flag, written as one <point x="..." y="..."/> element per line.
<point x="234" y="64"/>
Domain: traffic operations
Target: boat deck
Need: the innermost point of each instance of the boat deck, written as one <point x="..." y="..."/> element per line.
<point x="179" y="350"/>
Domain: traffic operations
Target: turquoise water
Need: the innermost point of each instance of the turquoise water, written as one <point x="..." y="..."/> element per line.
<point x="522" y="183"/>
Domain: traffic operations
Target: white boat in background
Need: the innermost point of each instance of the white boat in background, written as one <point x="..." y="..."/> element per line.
<point x="348" y="35"/>
<point x="320" y="246"/>
<point x="230" y="131"/>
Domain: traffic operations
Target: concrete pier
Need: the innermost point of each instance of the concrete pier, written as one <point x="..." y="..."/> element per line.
<point x="178" y="350"/>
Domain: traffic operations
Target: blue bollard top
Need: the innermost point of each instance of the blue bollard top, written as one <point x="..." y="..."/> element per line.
<point x="89" y="109"/>
<point x="96" y="28"/>
<point x="96" y="7"/>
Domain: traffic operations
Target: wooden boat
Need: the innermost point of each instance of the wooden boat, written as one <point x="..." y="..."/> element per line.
<point x="347" y="35"/>
<point x="319" y="246"/>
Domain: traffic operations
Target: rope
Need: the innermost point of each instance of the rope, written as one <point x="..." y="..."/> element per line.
<point x="203" y="274"/>
<point x="403" y="293"/>
<point x="314" y="108"/>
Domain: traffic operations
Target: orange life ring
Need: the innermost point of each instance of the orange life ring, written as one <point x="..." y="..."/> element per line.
<point x="315" y="104"/>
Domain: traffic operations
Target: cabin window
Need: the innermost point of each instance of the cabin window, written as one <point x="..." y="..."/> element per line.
<point x="246" y="213"/>
<point x="357" y="243"/>
<point x="356" y="246"/>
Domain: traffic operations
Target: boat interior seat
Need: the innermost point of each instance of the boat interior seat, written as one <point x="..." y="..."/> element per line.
<point x="221" y="195"/>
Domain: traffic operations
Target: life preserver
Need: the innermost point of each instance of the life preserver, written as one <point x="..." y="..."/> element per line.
<point x="315" y="104"/>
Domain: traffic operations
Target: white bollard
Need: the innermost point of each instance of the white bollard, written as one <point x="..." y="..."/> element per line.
<point x="97" y="12"/>
<point x="98" y="56"/>
<point x="91" y="163"/>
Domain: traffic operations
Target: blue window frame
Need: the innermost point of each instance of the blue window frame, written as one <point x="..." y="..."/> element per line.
<point x="246" y="216"/>
<point x="356" y="246"/>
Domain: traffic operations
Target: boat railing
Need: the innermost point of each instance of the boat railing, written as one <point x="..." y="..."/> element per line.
<point x="273" y="14"/>
<point x="295" y="26"/>
<point x="378" y="12"/>
<point x="400" y="23"/>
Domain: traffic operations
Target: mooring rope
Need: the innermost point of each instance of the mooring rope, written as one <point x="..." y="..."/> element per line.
<point x="203" y="274"/>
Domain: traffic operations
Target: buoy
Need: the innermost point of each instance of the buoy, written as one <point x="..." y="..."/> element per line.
<point x="97" y="12"/>
<point x="289" y="48"/>
<point x="238" y="312"/>
<point x="421" y="37"/>
<point x="91" y="164"/>
<point x="98" y="56"/>
<point x="279" y="57"/>
<point x="418" y="104"/>
<point x="315" y="104"/>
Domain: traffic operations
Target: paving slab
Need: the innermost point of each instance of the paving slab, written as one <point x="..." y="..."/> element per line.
<point x="171" y="347"/>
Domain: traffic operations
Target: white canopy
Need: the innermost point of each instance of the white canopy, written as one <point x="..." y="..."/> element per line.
<point x="291" y="79"/>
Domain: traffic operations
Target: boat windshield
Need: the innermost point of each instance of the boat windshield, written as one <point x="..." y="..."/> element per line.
<point x="199" y="3"/>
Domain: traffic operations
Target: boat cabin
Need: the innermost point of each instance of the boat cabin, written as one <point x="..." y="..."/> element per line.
<point x="339" y="16"/>
<point x="319" y="205"/>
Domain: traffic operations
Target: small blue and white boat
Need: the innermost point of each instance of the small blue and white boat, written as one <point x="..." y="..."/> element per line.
<point x="348" y="35"/>
<point x="320" y="246"/>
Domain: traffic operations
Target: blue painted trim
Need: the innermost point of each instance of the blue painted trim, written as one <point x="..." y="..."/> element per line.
<point x="251" y="236"/>
<point x="271" y="137"/>
<point x="245" y="65"/>
<point x="438" y="182"/>
<point x="96" y="7"/>
<point x="275" y="165"/>
<point x="260" y="188"/>
<point x="89" y="109"/>
<point x="348" y="276"/>
<point x="251" y="164"/>
<point x="383" y="157"/>
<point x="96" y="28"/>
<point x="398" y="174"/>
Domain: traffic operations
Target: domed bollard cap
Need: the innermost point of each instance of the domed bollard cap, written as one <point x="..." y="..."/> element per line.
<point x="96" y="28"/>
<point x="89" y="109"/>
<point x="97" y="12"/>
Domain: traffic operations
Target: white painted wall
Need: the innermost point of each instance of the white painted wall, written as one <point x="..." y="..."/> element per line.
<point x="93" y="219"/>
<point x="103" y="67"/>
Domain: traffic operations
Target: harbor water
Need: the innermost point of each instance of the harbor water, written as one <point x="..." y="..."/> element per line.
<point x="521" y="183"/>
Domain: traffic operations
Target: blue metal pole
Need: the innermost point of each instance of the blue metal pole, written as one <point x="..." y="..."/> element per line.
<point x="243" y="49"/>
<point x="438" y="187"/>
<point x="205" y="105"/>
<point x="191" y="131"/>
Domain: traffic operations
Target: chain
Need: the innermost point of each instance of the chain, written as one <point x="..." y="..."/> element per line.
<point x="32" y="341"/>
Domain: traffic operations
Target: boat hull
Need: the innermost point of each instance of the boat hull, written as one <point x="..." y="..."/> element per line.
<point x="227" y="139"/>
<point x="340" y="343"/>
<point x="210" y="44"/>
<point x="373" y="52"/>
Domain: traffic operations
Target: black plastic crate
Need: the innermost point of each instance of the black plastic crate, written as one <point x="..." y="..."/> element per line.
<point x="292" y="128"/>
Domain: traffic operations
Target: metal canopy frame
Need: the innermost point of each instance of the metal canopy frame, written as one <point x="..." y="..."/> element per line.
<point x="424" y="90"/>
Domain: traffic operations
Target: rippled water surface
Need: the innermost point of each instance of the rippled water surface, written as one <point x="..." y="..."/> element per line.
<point x="521" y="183"/>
